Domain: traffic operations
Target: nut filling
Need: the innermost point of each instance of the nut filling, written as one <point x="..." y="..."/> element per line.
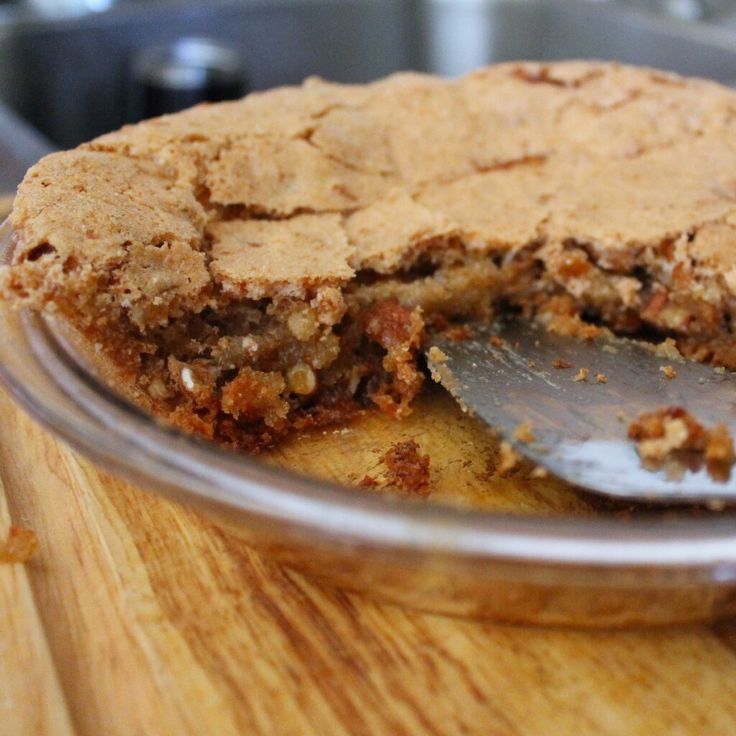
<point x="277" y="263"/>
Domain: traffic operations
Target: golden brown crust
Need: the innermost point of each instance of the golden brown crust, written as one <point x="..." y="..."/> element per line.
<point x="278" y="176"/>
<point x="82" y="216"/>
<point x="262" y="258"/>
<point x="390" y="233"/>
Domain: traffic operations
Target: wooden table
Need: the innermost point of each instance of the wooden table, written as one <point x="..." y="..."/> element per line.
<point x="137" y="616"/>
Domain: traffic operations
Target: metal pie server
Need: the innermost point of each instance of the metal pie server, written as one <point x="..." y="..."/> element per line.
<point x="506" y="375"/>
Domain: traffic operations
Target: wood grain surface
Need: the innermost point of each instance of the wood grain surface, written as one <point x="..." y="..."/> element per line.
<point x="138" y="616"/>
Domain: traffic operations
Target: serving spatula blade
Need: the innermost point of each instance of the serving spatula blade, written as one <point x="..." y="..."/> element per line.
<point x="506" y="375"/>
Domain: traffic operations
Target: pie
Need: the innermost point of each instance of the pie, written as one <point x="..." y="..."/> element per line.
<point x="257" y="267"/>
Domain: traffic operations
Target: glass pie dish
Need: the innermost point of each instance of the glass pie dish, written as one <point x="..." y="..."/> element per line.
<point x="606" y="571"/>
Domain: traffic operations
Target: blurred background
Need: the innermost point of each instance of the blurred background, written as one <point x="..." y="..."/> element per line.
<point x="72" y="69"/>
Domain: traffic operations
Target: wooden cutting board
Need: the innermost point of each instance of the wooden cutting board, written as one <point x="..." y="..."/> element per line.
<point x="137" y="616"/>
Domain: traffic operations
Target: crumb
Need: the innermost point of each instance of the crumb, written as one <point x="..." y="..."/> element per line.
<point x="719" y="446"/>
<point x="719" y="369"/>
<point x="660" y="433"/>
<point x="715" y="504"/>
<point x="458" y="333"/>
<point x="532" y="364"/>
<point x="20" y="545"/>
<point x="538" y="472"/>
<point x="664" y="431"/>
<point x="674" y="436"/>
<point x="601" y="378"/>
<point x="509" y="459"/>
<point x="406" y="468"/>
<point x="610" y="349"/>
<point x="581" y="375"/>
<point x="669" y="372"/>
<point x="496" y="341"/>
<point x="524" y="433"/>
<point x="668" y="349"/>
<point x="436" y="355"/>
<point x="621" y="416"/>
<point x="561" y="364"/>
